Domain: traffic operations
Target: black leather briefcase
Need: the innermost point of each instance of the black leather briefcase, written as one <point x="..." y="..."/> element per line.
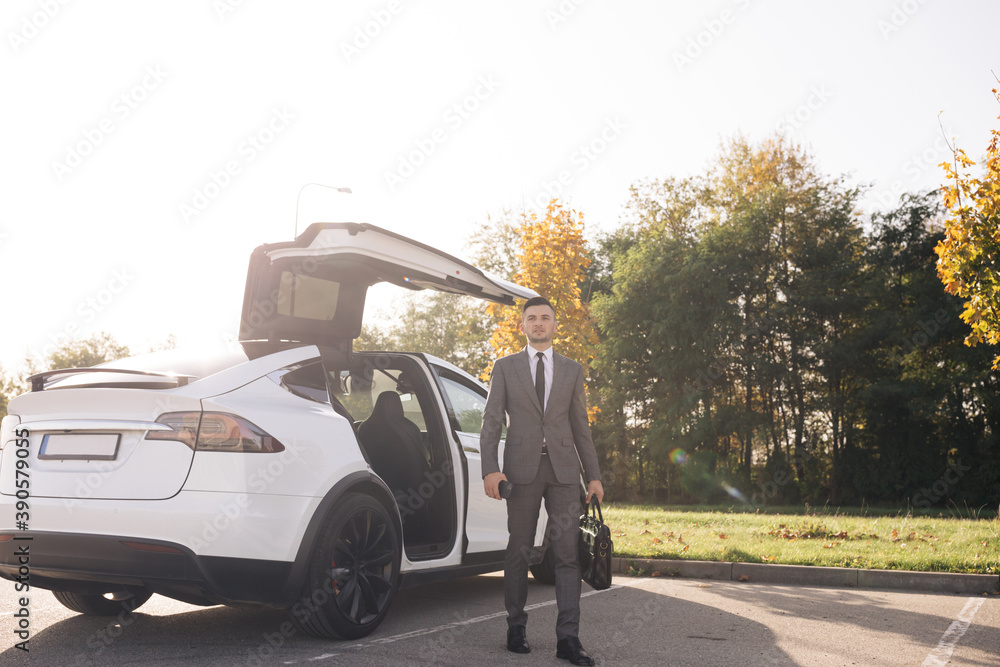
<point x="595" y="547"/>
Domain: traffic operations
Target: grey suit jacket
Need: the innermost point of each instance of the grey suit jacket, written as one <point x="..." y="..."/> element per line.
<point x="564" y="425"/>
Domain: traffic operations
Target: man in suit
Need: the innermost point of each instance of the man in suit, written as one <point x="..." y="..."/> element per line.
<point x="548" y="439"/>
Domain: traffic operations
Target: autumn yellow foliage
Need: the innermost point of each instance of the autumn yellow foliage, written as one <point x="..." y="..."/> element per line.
<point x="553" y="257"/>
<point x="969" y="254"/>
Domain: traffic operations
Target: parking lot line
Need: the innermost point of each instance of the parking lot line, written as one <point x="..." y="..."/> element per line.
<point x="440" y="628"/>
<point x="942" y="654"/>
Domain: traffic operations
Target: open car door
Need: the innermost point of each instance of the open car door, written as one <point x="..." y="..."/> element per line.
<point x="313" y="289"/>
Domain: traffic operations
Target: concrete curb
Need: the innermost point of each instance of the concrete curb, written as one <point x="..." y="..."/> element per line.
<point x="808" y="575"/>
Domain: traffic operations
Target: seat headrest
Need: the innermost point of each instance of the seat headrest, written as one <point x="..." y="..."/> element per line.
<point x="388" y="406"/>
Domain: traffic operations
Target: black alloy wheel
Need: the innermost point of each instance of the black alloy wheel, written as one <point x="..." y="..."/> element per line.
<point x="354" y="572"/>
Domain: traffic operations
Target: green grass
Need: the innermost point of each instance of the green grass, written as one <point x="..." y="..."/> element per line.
<point x="963" y="541"/>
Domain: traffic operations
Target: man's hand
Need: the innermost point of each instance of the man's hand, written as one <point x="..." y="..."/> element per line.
<point x="595" y="488"/>
<point x="492" y="484"/>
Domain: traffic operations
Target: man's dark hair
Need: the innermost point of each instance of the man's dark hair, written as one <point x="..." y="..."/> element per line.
<point x="537" y="301"/>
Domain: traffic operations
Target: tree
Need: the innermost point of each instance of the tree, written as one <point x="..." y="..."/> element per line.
<point x="920" y="406"/>
<point x="451" y="327"/>
<point x="374" y="338"/>
<point x="552" y="260"/>
<point x="9" y="388"/>
<point x="759" y="341"/>
<point x="97" y="349"/>
<point x="494" y="245"/>
<point x="970" y="252"/>
<point x="79" y="353"/>
<point x="732" y="299"/>
<point x="454" y="328"/>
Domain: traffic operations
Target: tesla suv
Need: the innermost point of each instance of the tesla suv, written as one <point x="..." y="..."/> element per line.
<point x="291" y="472"/>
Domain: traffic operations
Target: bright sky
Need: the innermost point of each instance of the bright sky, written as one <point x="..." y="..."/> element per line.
<point x="147" y="148"/>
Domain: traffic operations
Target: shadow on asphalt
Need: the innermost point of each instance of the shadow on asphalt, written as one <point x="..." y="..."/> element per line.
<point x="815" y="603"/>
<point x="459" y="622"/>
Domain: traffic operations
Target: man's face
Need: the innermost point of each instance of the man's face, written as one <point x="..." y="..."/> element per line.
<point x="539" y="325"/>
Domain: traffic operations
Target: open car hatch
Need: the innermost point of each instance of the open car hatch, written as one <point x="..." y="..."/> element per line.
<point x="313" y="289"/>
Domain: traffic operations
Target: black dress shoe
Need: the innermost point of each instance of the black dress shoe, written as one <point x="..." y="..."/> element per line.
<point x="571" y="649"/>
<point x="517" y="640"/>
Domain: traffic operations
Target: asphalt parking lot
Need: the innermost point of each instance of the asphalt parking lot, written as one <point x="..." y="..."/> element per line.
<point x="640" y="621"/>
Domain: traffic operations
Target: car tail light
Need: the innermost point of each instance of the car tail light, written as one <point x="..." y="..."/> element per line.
<point x="220" y="432"/>
<point x="184" y="427"/>
<point x="215" y="432"/>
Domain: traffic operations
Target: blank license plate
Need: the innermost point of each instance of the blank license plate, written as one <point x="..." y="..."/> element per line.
<point x="96" y="446"/>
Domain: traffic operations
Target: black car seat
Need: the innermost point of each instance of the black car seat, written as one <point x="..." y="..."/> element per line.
<point x="394" y="446"/>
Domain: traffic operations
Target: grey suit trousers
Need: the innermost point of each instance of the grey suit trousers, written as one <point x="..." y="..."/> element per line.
<point x="562" y="502"/>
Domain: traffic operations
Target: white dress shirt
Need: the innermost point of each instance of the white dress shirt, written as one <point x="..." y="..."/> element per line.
<point x="547" y="358"/>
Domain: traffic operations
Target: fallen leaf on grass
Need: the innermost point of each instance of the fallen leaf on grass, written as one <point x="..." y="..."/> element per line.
<point x="722" y="536"/>
<point x="645" y="532"/>
<point x="686" y="547"/>
<point x="657" y="540"/>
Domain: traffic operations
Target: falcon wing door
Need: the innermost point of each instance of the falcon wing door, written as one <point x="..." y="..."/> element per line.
<point x="312" y="289"/>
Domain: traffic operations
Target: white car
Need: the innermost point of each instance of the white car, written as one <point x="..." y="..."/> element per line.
<point x="293" y="473"/>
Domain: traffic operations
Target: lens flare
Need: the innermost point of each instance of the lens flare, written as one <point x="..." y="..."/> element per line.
<point x="678" y="456"/>
<point x="735" y="493"/>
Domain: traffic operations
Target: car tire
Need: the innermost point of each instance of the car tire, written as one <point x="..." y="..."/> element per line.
<point x="112" y="603"/>
<point x="544" y="571"/>
<point x="353" y="571"/>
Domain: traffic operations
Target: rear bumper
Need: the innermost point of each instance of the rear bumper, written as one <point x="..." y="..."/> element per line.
<point x="229" y="525"/>
<point x="199" y="547"/>
<point x="85" y="563"/>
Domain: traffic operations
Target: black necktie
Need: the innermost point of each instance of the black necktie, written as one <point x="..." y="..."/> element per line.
<point x="540" y="379"/>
